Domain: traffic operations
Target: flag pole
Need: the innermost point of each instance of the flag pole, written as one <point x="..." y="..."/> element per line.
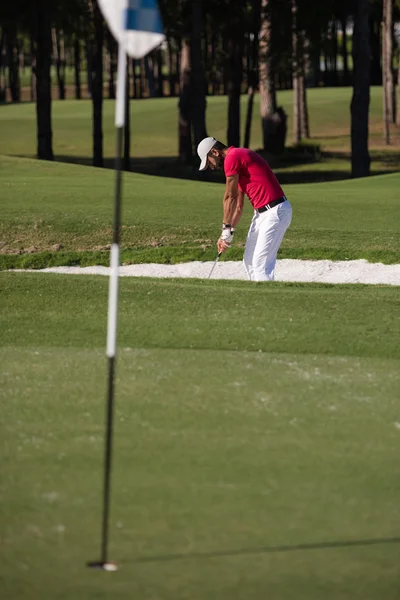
<point x="112" y="323"/>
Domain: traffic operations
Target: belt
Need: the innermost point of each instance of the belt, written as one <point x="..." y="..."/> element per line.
<point x="271" y="204"/>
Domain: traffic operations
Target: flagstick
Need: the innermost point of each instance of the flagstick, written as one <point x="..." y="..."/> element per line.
<point x="113" y="312"/>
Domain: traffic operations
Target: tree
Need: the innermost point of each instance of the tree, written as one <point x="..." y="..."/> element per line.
<point x="59" y="60"/>
<point x="252" y="68"/>
<point x="77" y="67"/>
<point x="360" y="159"/>
<point x="398" y="89"/>
<point x="3" y="87"/>
<point x="375" y="30"/>
<point x="127" y="127"/>
<point x="235" y="69"/>
<point x="296" y="69"/>
<point x="97" y="98"/>
<point x="341" y="12"/>
<point x="13" y="70"/>
<point x="304" y="119"/>
<point x="273" y="119"/>
<point x="387" y="68"/>
<point x="184" y="119"/>
<point x="43" y="82"/>
<point x="197" y="88"/>
<point x="192" y="98"/>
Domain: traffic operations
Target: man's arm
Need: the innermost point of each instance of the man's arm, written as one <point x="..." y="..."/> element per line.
<point x="231" y="198"/>
<point x="239" y="209"/>
<point x="232" y="210"/>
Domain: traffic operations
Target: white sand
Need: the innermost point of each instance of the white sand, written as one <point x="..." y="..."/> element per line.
<point x="325" y="271"/>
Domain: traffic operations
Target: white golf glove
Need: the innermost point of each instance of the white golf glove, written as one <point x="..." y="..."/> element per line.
<point x="227" y="234"/>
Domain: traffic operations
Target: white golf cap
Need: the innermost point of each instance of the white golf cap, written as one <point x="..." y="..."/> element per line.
<point x="203" y="149"/>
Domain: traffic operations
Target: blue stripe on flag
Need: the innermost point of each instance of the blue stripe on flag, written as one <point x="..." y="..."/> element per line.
<point x="143" y="15"/>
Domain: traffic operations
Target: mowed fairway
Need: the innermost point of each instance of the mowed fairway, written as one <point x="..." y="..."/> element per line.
<point x="256" y="447"/>
<point x="58" y="214"/>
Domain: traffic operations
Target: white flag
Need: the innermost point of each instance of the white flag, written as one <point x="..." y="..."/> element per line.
<point x="135" y="24"/>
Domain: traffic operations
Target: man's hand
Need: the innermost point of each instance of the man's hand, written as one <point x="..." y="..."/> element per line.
<point x="222" y="246"/>
<point x="226" y="238"/>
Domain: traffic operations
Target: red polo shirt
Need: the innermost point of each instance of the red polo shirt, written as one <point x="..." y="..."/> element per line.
<point x="256" y="178"/>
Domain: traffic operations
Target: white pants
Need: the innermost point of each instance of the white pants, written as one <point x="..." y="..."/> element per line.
<point x="263" y="240"/>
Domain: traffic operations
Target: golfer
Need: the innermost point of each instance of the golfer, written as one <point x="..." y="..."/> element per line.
<point x="247" y="173"/>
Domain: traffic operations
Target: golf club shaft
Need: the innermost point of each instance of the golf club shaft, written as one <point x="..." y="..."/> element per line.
<point x="215" y="262"/>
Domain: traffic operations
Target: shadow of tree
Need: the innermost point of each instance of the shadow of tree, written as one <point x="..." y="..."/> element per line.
<point x="290" y="169"/>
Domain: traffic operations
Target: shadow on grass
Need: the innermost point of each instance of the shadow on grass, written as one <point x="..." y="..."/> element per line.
<point x="266" y="549"/>
<point x="168" y="166"/>
<point x="313" y="170"/>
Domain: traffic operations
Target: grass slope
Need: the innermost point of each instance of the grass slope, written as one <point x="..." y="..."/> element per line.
<point x="55" y="214"/>
<point x="256" y="447"/>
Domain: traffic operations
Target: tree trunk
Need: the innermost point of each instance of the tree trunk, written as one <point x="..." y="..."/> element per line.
<point x="296" y="110"/>
<point x="89" y="64"/>
<point x="171" y="75"/>
<point x="143" y="81"/>
<point x="132" y="91"/>
<point x="387" y="68"/>
<point x="273" y="119"/>
<point x="77" y="67"/>
<point x="160" y="76"/>
<point x="111" y="66"/>
<point x="225" y="65"/>
<point x="214" y="79"/>
<point x="13" y="70"/>
<point x="253" y="66"/>
<point x="304" y="60"/>
<point x="198" y="91"/>
<point x="247" y="57"/>
<point x="334" y="52"/>
<point x="249" y="118"/>
<point x="43" y="81"/>
<point x="296" y="77"/>
<point x="57" y="62"/>
<point x="268" y="105"/>
<point x="149" y="73"/>
<point x="184" y="124"/>
<point x="326" y="64"/>
<point x="178" y="66"/>
<point x="345" y="57"/>
<point x="97" y="97"/>
<point x="304" y="119"/>
<point x="221" y="66"/>
<point x="398" y="90"/>
<point x="33" y="68"/>
<point x="316" y="66"/>
<point x="3" y="87"/>
<point x="375" y="48"/>
<point x="235" y="70"/>
<point x="21" y="58"/>
<point x="360" y="159"/>
<point x="127" y="128"/>
<point x="136" y="79"/>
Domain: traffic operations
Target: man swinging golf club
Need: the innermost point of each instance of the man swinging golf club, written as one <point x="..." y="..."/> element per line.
<point x="247" y="173"/>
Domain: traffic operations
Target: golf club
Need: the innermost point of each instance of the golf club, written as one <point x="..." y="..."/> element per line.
<point x="215" y="262"/>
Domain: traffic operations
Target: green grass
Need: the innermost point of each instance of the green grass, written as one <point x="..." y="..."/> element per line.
<point x="154" y="128"/>
<point x="52" y="205"/>
<point x="257" y="431"/>
<point x="333" y="322"/>
<point x="256" y="451"/>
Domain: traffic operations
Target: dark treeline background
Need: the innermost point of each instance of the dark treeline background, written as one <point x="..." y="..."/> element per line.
<point x="212" y="47"/>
